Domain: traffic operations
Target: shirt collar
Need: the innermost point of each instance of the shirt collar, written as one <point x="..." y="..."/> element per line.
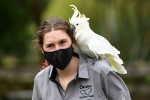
<point x="82" y="69"/>
<point x="53" y="73"/>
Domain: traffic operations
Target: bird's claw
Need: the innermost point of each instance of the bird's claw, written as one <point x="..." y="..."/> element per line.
<point x="94" y="60"/>
<point x="85" y="58"/>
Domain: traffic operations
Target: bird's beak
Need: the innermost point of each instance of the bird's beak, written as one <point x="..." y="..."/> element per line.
<point x="72" y="27"/>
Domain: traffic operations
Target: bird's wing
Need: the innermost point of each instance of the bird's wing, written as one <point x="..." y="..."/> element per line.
<point x="103" y="40"/>
<point x="100" y="46"/>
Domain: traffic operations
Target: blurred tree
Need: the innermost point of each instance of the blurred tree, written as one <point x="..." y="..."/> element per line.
<point x="15" y="25"/>
<point x="38" y="8"/>
<point x="14" y="19"/>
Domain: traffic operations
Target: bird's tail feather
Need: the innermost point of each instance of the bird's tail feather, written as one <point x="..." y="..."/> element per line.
<point x="117" y="67"/>
<point x="115" y="58"/>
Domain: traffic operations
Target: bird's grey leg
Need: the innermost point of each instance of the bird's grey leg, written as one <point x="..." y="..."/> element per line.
<point x="94" y="60"/>
<point x="85" y="58"/>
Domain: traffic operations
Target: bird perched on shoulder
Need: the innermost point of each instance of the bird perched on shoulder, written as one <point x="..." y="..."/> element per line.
<point x="92" y="44"/>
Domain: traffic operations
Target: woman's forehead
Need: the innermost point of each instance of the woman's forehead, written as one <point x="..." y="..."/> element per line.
<point x="55" y="35"/>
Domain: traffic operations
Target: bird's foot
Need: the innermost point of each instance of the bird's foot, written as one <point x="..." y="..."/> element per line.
<point x="94" y="60"/>
<point x="85" y="58"/>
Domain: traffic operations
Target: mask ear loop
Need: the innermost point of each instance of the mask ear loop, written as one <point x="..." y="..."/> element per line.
<point x="44" y="62"/>
<point x="44" y="65"/>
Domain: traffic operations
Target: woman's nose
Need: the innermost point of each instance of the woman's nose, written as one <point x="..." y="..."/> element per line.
<point x="57" y="47"/>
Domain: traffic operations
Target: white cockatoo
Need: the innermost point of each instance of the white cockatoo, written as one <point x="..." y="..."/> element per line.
<point x="93" y="44"/>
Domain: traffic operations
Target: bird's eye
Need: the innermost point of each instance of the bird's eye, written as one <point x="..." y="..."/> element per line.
<point x="77" y="24"/>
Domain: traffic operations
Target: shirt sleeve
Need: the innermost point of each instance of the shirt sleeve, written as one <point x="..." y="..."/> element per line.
<point x="115" y="88"/>
<point x="36" y="94"/>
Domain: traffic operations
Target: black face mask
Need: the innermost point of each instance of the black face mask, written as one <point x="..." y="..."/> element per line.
<point x="60" y="58"/>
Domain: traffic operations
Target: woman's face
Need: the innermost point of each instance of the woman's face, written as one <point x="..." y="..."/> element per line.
<point x="55" y="40"/>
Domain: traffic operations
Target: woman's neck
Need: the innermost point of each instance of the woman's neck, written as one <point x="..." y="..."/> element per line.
<point x="70" y="71"/>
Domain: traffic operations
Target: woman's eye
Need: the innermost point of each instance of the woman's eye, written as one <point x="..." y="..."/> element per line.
<point x="62" y="42"/>
<point x="50" y="46"/>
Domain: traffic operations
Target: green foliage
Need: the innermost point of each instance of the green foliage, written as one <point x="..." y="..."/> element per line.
<point x="18" y="23"/>
<point x="148" y="79"/>
<point x="15" y="17"/>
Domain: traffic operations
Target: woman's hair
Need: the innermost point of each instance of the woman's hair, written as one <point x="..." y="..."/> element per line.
<point x="53" y="24"/>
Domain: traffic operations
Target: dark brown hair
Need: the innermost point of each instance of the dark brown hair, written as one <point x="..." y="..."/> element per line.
<point x="53" y="24"/>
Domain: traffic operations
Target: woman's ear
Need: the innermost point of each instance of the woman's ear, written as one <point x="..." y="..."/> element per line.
<point x="42" y="50"/>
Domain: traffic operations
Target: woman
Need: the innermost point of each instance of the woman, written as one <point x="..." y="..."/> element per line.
<point x="72" y="76"/>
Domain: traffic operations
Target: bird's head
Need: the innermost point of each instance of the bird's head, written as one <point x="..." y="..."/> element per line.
<point x="78" y="21"/>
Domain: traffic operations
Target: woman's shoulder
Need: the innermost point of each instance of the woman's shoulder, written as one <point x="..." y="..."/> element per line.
<point x="99" y="66"/>
<point x="43" y="73"/>
<point x="103" y="66"/>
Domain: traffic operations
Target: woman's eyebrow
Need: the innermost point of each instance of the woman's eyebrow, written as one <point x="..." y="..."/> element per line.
<point x="63" y="40"/>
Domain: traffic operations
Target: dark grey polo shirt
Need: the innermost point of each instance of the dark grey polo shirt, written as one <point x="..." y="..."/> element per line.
<point x="93" y="82"/>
